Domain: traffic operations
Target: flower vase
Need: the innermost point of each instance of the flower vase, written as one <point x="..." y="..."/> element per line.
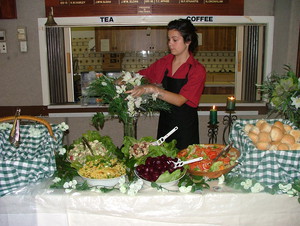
<point x="130" y="127"/>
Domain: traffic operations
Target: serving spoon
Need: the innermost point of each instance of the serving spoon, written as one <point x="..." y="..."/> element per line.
<point x="180" y="163"/>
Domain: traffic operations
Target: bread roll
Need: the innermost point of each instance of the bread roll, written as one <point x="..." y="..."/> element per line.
<point x="295" y="146"/>
<point x="263" y="146"/>
<point x="287" y="128"/>
<point x="288" y="139"/>
<point x="276" y="133"/>
<point x="276" y="143"/>
<point x="296" y="134"/>
<point x="253" y="137"/>
<point x="255" y="130"/>
<point x="248" y="127"/>
<point x="259" y="122"/>
<point x="265" y="127"/>
<point x="264" y="137"/>
<point x="273" y="148"/>
<point x="283" y="147"/>
<point x="279" y="125"/>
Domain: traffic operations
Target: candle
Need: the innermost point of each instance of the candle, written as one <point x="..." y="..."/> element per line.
<point x="230" y="105"/>
<point x="213" y="116"/>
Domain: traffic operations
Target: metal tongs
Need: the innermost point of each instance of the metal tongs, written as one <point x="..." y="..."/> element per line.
<point x="14" y="136"/>
<point x="223" y="152"/>
<point x="86" y="144"/>
<point x="181" y="163"/>
<point x="162" y="139"/>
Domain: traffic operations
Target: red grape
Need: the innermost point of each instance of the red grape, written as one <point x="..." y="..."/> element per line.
<point x="155" y="166"/>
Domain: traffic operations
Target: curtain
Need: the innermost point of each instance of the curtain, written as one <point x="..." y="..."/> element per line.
<point x="56" y="65"/>
<point x="252" y="61"/>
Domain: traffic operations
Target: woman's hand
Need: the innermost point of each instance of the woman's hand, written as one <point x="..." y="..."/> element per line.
<point x="171" y="98"/>
<point x="144" y="89"/>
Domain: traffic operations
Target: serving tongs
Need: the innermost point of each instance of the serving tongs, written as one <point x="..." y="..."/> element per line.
<point x="223" y="152"/>
<point x="180" y="163"/>
<point x="162" y="139"/>
<point x="14" y="136"/>
<point x="86" y="144"/>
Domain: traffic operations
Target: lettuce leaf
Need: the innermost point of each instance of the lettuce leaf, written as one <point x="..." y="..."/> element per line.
<point x="168" y="149"/>
<point x="216" y="166"/>
<point x="92" y="135"/>
<point x="167" y="177"/>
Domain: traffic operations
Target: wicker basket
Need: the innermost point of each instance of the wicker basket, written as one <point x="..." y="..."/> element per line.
<point x="267" y="167"/>
<point x="33" y="159"/>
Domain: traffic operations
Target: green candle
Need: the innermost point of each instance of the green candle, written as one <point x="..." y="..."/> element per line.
<point x="230" y="105"/>
<point x="213" y="116"/>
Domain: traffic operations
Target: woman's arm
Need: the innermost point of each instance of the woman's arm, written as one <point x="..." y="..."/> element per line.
<point x="171" y="98"/>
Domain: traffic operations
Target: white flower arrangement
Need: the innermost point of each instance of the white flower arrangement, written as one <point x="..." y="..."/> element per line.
<point x="184" y="189"/>
<point x="283" y="94"/>
<point x="56" y="180"/>
<point x="247" y="184"/>
<point x="257" y="188"/>
<point x="121" y="104"/>
<point x="70" y="186"/>
<point x="62" y="151"/>
<point x="63" y="126"/>
<point x="130" y="188"/>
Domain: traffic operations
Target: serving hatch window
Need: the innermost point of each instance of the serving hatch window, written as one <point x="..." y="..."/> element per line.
<point x="233" y="55"/>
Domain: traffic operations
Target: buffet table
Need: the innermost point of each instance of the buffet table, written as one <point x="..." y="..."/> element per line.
<point x="42" y="206"/>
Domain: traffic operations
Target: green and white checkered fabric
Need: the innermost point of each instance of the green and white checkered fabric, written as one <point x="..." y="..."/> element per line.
<point x="268" y="167"/>
<point x="32" y="161"/>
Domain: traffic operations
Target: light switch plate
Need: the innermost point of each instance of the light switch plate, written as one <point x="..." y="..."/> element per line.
<point x="3" y="48"/>
<point x="23" y="46"/>
<point x="21" y="34"/>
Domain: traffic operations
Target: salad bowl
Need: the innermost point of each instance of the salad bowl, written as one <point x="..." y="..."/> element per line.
<point x="209" y="167"/>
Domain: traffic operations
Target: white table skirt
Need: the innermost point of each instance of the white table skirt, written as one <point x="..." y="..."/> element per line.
<point x="41" y="206"/>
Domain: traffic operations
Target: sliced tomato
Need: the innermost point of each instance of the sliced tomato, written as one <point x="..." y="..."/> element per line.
<point x="198" y="151"/>
<point x="194" y="166"/>
<point x="182" y="153"/>
<point x="212" y="154"/>
<point x="226" y="160"/>
<point x="203" y="165"/>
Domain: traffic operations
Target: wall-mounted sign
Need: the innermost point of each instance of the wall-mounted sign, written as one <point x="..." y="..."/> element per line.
<point x="69" y="8"/>
<point x="201" y="18"/>
<point x="144" y="10"/>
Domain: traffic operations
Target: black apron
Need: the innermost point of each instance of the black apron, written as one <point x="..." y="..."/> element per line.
<point x="185" y="117"/>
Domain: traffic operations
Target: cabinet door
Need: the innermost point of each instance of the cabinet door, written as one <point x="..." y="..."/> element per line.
<point x="217" y="38"/>
<point x="159" y="39"/>
<point x="105" y="33"/>
<point x="8" y="9"/>
<point x="124" y="39"/>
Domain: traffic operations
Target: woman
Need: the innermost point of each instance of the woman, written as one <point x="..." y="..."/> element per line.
<point x="182" y="78"/>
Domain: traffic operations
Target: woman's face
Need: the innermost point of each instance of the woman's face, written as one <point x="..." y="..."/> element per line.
<point x="176" y="43"/>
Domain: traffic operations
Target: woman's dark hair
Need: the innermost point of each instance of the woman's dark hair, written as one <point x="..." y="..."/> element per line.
<point x="187" y="30"/>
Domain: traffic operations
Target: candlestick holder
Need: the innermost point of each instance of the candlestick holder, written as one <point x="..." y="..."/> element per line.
<point x="213" y="129"/>
<point x="228" y="121"/>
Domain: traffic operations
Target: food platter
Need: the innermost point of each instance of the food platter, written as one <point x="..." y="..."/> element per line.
<point x="102" y="171"/>
<point x="102" y="182"/>
<point x="233" y="155"/>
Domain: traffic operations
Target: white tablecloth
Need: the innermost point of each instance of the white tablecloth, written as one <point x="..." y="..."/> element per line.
<point x="41" y="206"/>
